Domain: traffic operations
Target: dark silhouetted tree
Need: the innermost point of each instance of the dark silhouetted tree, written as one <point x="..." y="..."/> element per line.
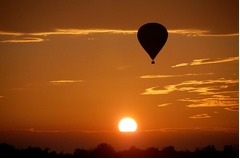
<point x="80" y="153"/>
<point x="151" y="152"/>
<point x="168" y="151"/>
<point x="7" y="150"/>
<point x="103" y="150"/>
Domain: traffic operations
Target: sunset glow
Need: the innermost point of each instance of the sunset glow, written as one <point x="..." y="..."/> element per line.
<point x="127" y="125"/>
<point x="70" y="70"/>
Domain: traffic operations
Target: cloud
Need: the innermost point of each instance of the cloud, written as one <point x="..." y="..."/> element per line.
<point x="200" y="116"/>
<point x="59" y="82"/>
<point x="202" y="129"/>
<point x="154" y="91"/>
<point x="181" y="65"/>
<point x="235" y="108"/>
<point x="35" y="35"/>
<point x="72" y="32"/>
<point x="61" y="31"/>
<point x="164" y="130"/>
<point x="24" y="40"/>
<point x="33" y="130"/>
<point x="207" y="61"/>
<point x="198" y="32"/>
<point x="204" y="87"/>
<point x="11" y="33"/>
<point x="213" y="101"/>
<point x="209" y="93"/>
<point x="170" y="76"/>
<point x="35" y="38"/>
<point x="164" y="105"/>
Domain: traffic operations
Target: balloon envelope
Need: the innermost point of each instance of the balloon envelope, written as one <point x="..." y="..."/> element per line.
<point x="152" y="37"/>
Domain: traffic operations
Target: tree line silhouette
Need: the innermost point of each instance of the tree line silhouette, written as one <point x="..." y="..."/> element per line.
<point x="105" y="150"/>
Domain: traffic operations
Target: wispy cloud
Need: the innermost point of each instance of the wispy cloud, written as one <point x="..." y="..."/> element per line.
<point x="58" y="82"/>
<point x="209" y="93"/>
<point x="24" y="40"/>
<point x="155" y="91"/>
<point x="203" y="87"/>
<point x="207" y="61"/>
<point x="202" y="129"/>
<point x="72" y="32"/>
<point x="213" y="101"/>
<point x="163" y="130"/>
<point x="11" y="33"/>
<point x="198" y="32"/>
<point x="33" y="130"/>
<point x="235" y="108"/>
<point x="170" y="76"/>
<point x="184" y="32"/>
<point x="35" y="37"/>
<point x="200" y="116"/>
<point x="164" y="105"/>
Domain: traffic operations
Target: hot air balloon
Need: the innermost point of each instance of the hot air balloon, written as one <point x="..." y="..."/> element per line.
<point x="152" y="37"/>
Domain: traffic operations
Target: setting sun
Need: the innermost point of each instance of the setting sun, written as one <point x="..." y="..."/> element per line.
<point x="127" y="125"/>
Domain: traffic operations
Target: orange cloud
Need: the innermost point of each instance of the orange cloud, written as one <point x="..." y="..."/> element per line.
<point x="72" y="32"/>
<point x="24" y="40"/>
<point x="57" y="82"/>
<point x="198" y="32"/>
<point x="170" y="76"/>
<point x="59" y="31"/>
<point x="210" y="93"/>
<point x="235" y="108"/>
<point x="213" y="101"/>
<point x="200" y="116"/>
<point x="207" y="61"/>
<point x="35" y="35"/>
<point x="164" y="105"/>
<point x="204" y="87"/>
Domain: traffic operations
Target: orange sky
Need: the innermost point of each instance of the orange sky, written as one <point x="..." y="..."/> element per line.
<point x="70" y="70"/>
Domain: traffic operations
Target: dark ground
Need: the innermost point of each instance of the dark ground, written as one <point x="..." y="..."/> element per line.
<point x="106" y="150"/>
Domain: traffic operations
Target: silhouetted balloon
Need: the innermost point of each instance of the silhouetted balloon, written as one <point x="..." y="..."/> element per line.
<point x="152" y="37"/>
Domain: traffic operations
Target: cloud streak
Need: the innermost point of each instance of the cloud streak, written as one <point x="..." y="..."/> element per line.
<point x="171" y="76"/>
<point x="71" y="32"/>
<point x="209" y="93"/>
<point x="235" y="108"/>
<point x="183" y="32"/>
<point x="59" y="82"/>
<point x="33" y="130"/>
<point x="164" y="105"/>
<point x="207" y="61"/>
<point x="200" y="116"/>
<point x="203" y="87"/>
<point x="213" y="101"/>
<point x="202" y="129"/>
<point x="198" y="32"/>
<point x="24" y="40"/>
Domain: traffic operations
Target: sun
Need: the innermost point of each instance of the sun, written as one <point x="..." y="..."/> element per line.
<point x="127" y="125"/>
